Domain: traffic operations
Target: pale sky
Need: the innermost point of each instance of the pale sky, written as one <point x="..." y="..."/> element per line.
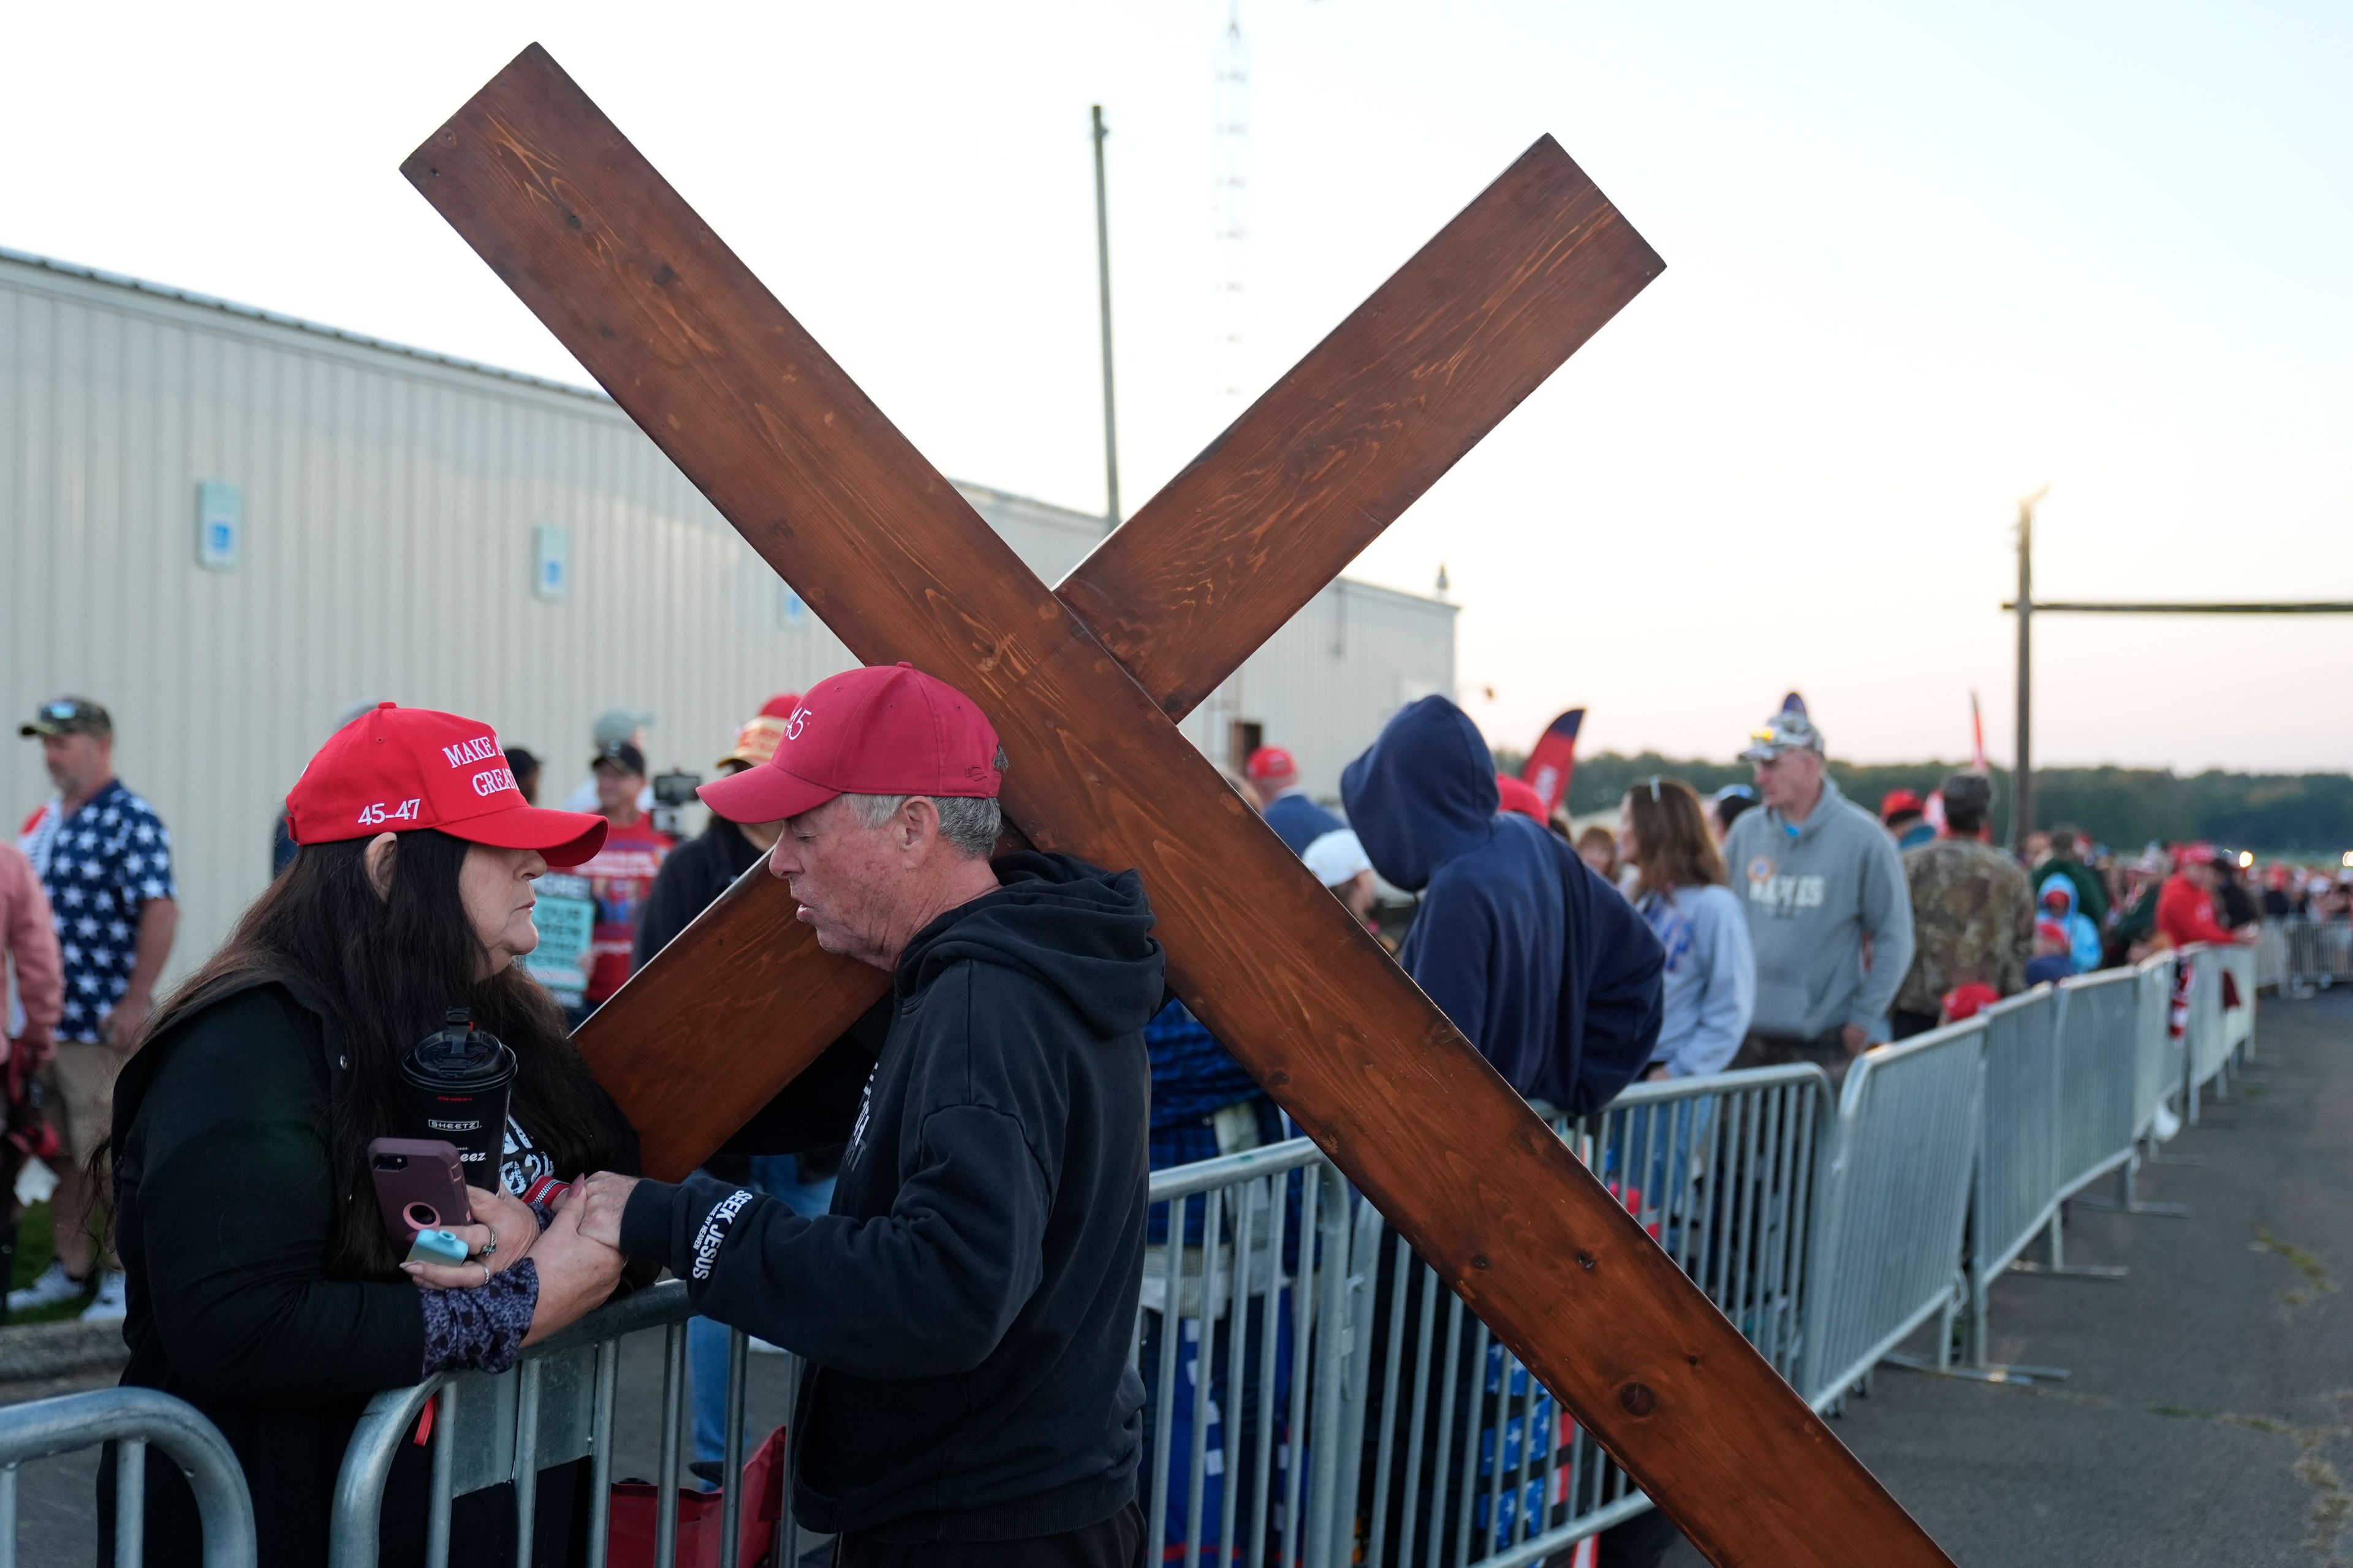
<point x="1918" y="265"/>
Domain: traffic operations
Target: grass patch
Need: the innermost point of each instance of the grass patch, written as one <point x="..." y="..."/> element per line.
<point x="35" y="1246"/>
<point x="2302" y="1261"/>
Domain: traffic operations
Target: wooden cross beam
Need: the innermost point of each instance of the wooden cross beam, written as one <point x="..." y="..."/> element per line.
<point x="1081" y="687"/>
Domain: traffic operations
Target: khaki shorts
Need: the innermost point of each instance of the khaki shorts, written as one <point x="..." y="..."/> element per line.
<point x="79" y="1084"/>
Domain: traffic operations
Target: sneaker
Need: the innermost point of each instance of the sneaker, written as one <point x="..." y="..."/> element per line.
<point x="114" y="1300"/>
<point x="52" y="1287"/>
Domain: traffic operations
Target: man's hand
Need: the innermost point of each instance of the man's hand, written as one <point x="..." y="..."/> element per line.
<point x="39" y="1043"/>
<point x="1857" y="1040"/>
<point x="601" y="1200"/>
<point x="122" y="1025"/>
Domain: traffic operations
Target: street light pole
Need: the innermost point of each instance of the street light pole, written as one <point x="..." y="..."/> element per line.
<point x="1102" y="281"/>
<point x="2022" y="782"/>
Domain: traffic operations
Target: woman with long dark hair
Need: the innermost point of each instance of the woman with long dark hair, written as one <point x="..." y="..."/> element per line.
<point x="265" y="1287"/>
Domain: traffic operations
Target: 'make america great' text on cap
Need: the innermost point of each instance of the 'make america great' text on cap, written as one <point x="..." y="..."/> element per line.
<point x="396" y="768"/>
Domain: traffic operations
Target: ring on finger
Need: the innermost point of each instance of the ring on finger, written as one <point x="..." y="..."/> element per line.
<point x="491" y="1247"/>
<point x="486" y="1271"/>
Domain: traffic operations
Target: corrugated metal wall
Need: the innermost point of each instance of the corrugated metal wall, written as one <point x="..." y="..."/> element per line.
<point x="390" y="501"/>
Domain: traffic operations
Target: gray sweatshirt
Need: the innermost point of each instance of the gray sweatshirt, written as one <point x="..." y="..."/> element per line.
<point x="1813" y="891"/>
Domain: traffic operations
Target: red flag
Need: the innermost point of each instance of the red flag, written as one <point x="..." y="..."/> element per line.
<point x="1976" y="738"/>
<point x="1549" y="767"/>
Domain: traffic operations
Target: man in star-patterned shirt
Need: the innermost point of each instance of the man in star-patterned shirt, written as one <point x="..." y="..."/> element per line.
<point x="105" y="860"/>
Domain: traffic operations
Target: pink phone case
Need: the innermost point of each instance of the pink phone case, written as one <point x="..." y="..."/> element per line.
<point x="420" y="1184"/>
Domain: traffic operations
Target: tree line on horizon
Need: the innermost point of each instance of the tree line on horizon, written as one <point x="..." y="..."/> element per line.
<point x="2308" y="814"/>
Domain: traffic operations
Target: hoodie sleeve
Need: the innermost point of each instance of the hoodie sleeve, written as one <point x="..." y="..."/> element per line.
<point x="1727" y="989"/>
<point x="1885" y="903"/>
<point x="1624" y="999"/>
<point x="30" y="939"/>
<point x="927" y="1290"/>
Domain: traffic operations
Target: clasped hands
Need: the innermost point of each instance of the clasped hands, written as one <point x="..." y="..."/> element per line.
<point x="577" y="1257"/>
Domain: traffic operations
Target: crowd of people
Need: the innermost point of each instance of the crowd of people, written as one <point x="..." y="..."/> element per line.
<point x="959" y="1169"/>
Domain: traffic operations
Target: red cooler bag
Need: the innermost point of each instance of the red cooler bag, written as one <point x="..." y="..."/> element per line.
<point x="631" y="1543"/>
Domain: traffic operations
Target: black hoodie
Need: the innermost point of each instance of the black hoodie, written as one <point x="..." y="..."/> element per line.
<point x="969" y="1306"/>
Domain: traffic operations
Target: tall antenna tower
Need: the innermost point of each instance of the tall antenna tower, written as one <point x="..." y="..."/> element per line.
<point x="1231" y="193"/>
<point x="1224" y="729"/>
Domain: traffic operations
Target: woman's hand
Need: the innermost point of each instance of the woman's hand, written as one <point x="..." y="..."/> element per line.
<point x="503" y="1233"/>
<point x="576" y="1274"/>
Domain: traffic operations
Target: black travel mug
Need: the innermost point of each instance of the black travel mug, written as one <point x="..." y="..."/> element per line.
<point x="458" y="1079"/>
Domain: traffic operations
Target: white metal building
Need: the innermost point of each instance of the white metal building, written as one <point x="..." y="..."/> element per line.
<point x="229" y="526"/>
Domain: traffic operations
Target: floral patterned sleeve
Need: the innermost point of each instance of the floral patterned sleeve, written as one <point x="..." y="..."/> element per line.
<point x="482" y="1329"/>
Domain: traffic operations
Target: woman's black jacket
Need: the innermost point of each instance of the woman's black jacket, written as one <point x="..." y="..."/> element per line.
<point x="223" y="1203"/>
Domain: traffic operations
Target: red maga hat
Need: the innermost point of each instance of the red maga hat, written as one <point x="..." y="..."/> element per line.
<point x="882" y="729"/>
<point x="1518" y="795"/>
<point x="1271" y="763"/>
<point x="397" y="769"/>
<point x="1901" y="800"/>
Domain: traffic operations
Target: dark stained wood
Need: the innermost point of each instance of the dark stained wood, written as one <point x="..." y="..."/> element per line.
<point x="1250" y="531"/>
<point x="735" y="1007"/>
<point x="1313" y="471"/>
<point x="882" y="547"/>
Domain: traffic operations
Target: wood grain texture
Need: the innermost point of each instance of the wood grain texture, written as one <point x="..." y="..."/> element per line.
<point x="1231" y="549"/>
<point x="880" y="546"/>
<point x="735" y="1007"/>
<point x="1256" y="526"/>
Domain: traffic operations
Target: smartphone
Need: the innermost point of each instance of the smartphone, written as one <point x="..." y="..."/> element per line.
<point x="420" y="1184"/>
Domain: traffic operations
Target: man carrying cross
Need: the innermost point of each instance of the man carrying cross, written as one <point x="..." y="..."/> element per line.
<point x="967" y="1305"/>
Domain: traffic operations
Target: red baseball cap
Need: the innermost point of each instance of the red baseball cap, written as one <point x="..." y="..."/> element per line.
<point x="1271" y="763"/>
<point x="1967" y="1001"/>
<point x="882" y="729"/>
<point x="1518" y="795"/>
<point x="396" y="769"/>
<point x="2196" y="855"/>
<point x="1897" y="800"/>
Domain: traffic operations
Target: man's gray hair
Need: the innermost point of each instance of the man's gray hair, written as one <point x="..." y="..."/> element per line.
<point x="971" y="823"/>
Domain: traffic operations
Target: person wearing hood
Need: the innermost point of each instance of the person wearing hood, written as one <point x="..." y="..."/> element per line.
<point x="2056" y="896"/>
<point x="1830" y="910"/>
<point x="1542" y="965"/>
<point x="967" y="1307"/>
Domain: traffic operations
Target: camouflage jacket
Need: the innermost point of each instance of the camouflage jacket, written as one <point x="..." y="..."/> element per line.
<point x="1972" y="919"/>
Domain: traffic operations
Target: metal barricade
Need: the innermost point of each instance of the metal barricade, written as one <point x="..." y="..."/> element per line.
<point x="132" y="1419"/>
<point x="2202" y="1035"/>
<point x="2271" y="955"/>
<point x="2097" y="1038"/>
<point x="2241" y="965"/>
<point x="1461" y="1456"/>
<point x="2319" y="953"/>
<point x="1241" y="1340"/>
<point x="2016" y="1184"/>
<point x="554" y="1406"/>
<point x="2160" y="1055"/>
<point x="1886" y="1251"/>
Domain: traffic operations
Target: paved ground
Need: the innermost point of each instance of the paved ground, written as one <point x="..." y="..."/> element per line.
<point x="2208" y="1419"/>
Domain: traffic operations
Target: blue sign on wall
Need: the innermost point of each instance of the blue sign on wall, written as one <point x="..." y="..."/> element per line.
<point x="220" y="525"/>
<point x="550" y="576"/>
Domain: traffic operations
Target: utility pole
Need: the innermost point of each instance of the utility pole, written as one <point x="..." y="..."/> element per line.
<point x="2022" y="781"/>
<point x="1102" y="279"/>
<point x="2022" y="813"/>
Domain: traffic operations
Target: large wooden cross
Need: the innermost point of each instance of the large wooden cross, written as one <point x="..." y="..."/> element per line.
<point x="1085" y="683"/>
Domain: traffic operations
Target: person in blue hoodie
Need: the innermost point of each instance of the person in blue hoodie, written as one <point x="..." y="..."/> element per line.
<point x="1547" y="970"/>
<point x="1542" y="965"/>
<point x="969" y="1306"/>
